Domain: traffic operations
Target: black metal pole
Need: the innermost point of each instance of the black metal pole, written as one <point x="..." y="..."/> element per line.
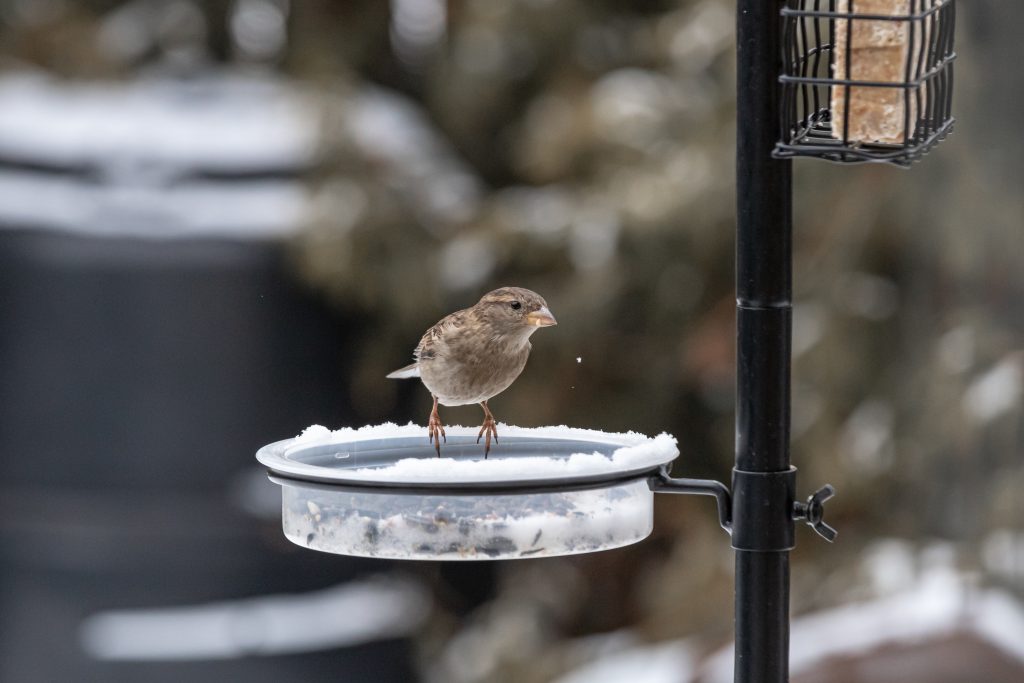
<point x="763" y="482"/>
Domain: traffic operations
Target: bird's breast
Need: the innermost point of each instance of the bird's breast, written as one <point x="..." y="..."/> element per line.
<point x="459" y="376"/>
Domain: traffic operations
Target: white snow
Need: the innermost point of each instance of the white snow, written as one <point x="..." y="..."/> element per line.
<point x="224" y="123"/>
<point x="1002" y="553"/>
<point x="999" y="619"/>
<point x="633" y="452"/>
<point x="267" y="625"/>
<point x="669" y="662"/>
<point x="144" y="142"/>
<point x="145" y="145"/>
<point x="251" y="209"/>
<point x="997" y="391"/>
<point x="934" y="607"/>
<point x="941" y="603"/>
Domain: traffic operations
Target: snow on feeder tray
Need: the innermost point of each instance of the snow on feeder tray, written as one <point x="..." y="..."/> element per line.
<point x="380" y="491"/>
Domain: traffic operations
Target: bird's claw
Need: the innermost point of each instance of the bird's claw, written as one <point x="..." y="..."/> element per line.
<point x="489" y="429"/>
<point x="435" y="433"/>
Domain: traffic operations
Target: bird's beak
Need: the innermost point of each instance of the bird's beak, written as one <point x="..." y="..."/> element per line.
<point x="541" y="317"/>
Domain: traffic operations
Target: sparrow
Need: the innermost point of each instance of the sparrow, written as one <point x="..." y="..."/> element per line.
<point x="474" y="354"/>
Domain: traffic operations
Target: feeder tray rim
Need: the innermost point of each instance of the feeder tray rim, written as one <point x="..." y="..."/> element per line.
<point x="285" y="460"/>
<point x="655" y="477"/>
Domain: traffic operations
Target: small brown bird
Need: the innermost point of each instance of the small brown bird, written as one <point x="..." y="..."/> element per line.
<point x="474" y="354"/>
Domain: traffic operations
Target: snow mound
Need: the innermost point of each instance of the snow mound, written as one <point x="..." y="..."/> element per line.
<point x="573" y="454"/>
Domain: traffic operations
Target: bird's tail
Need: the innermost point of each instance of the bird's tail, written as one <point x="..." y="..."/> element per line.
<point x="411" y="370"/>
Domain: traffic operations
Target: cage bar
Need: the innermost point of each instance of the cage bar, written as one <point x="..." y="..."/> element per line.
<point x="866" y="80"/>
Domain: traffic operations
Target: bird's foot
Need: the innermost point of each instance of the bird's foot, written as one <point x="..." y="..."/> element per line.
<point x="489" y="429"/>
<point x="435" y="432"/>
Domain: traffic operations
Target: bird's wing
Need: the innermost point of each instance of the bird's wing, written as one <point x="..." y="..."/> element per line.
<point x="427" y="348"/>
<point x="411" y="370"/>
<point x="436" y="338"/>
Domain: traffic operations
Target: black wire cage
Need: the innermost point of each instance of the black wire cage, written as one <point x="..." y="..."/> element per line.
<point x="866" y="80"/>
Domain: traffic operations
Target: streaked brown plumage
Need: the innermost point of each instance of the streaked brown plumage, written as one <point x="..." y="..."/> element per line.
<point x="474" y="354"/>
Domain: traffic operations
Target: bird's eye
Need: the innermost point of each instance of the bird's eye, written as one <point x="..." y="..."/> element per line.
<point x="516" y="305"/>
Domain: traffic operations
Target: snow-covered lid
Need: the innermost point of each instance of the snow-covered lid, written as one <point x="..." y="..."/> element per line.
<point x="390" y="455"/>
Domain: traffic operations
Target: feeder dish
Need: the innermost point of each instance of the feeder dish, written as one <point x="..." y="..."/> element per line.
<point x="382" y="492"/>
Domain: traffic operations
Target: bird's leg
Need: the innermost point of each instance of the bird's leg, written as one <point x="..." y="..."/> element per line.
<point x="489" y="429"/>
<point x="435" y="430"/>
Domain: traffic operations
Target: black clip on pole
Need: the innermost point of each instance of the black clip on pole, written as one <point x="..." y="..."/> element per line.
<point x="814" y="512"/>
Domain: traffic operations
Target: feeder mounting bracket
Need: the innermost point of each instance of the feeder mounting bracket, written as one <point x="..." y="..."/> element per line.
<point x="746" y="483"/>
<point x="663" y="483"/>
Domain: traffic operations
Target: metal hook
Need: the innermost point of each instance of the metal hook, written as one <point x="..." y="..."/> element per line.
<point x="814" y="512"/>
<point x="663" y="483"/>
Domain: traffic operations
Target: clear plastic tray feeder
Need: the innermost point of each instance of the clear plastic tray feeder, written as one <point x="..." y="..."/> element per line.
<point x="382" y="492"/>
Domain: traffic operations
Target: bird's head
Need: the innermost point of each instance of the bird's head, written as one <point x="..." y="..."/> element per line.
<point x="513" y="310"/>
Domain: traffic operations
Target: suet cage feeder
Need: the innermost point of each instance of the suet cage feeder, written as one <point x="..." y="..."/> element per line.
<point x="866" y="80"/>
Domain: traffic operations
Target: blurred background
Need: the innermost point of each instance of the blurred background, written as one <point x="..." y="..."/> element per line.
<point x="223" y="221"/>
